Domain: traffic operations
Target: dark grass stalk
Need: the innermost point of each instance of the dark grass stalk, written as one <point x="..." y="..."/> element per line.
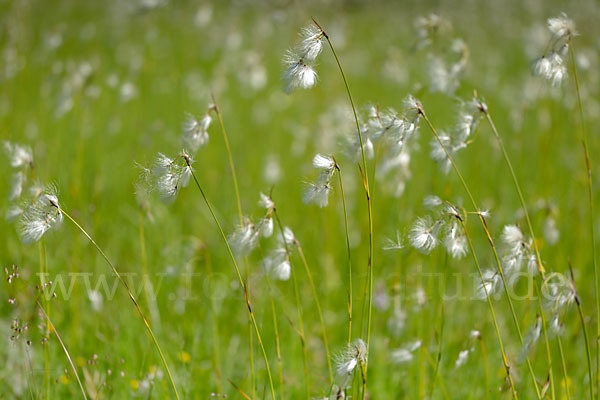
<point x="539" y="262"/>
<point x="349" y="253"/>
<point x="239" y="275"/>
<point x="131" y="296"/>
<point x="493" y="314"/>
<point x="564" y="366"/>
<point x="368" y="195"/>
<point x="493" y="246"/>
<point x="236" y="188"/>
<point x="586" y="153"/>
<point x="63" y="347"/>
<point x="298" y="306"/>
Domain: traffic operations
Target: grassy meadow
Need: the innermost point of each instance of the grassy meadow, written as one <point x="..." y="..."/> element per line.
<point x="92" y="92"/>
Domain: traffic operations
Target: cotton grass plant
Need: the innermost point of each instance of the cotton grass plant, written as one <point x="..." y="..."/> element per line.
<point x="292" y="226"/>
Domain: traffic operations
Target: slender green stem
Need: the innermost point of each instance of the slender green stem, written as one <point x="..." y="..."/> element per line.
<point x="591" y="207"/>
<point x="276" y="329"/>
<point x="365" y="176"/>
<point x="493" y="246"/>
<point x="302" y="334"/>
<point x="131" y="296"/>
<point x="150" y="298"/>
<point x="47" y="330"/>
<point x="438" y="360"/>
<point x="485" y="368"/>
<point x="492" y="312"/>
<point x="239" y="275"/>
<point x="587" y="346"/>
<point x="564" y="366"/>
<point x="540" y="265"/>
<point x="63" y="347"/>
<point x="349" y="255"/>
<point x="431" y="361"/>
<point x="546" y="338"/>
<point x="298" y="306"/>
<point x="215" y="329"/>
<point x="230" y="159"/>
<point x="518" y="188"/>
<point x="319" y="312"/>
<point x="236" y="188"/>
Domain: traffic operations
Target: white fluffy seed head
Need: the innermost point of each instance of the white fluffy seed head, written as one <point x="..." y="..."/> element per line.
<point x="169" y="176"/>
<point x="265" y="227"/>
<point x="195" y="133"/>
<point x="455" y="241"/>
<point x="431" y="201"/>
<point x="346" y="363"/>
<point x="462" y="358"/>
<point x="491" y="282"/>
<point x="423" y="234"/>
<point x="318" y="193"/>
<point x="412" y="108"/>
<point x="512" y="236"/>
<point x="266" y="202"/>
<point x="19" y="155"/>
<point x="404" y="354"/>
<point x="311" y="42"/>
<point x="298" y="73"/>
<point x="324" y="163"/>
<point x="277" y="264"/>
<point x="543" y="67"/>
<point x="561" y="26"/>
<point x="16" y="185"/>
<point x="245" y="238"/>
<point x="40" y="216"/>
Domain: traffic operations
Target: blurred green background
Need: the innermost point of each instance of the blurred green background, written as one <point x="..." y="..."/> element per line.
<point x="94" y="87"/>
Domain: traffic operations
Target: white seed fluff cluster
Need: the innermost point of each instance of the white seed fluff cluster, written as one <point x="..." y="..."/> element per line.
<point x="444" y="71"/>
<point x="170" y="175"/>
<point x="318" y="192"/>
<point x="20" y="158"/>
<point x="518" y="251"/>
<point x="299" y="62"/>
<point x="404" y="354"/>
<point x="347" y="362"/>
<point x="394" y="133"/>
<point x="492" y="281"/>
<point x="458" y="138"/>
<point x="245" y="238"/>
<point x="443" y="226"/>
<point x="34" y="208"/>
<point x="531" y="339"/>
<point x="558" y="292"/>
<point x="195" y="131"/>
<point x="277" y="262"/>
<point x="552" y="65"/>
<point x="42" y="215"/>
